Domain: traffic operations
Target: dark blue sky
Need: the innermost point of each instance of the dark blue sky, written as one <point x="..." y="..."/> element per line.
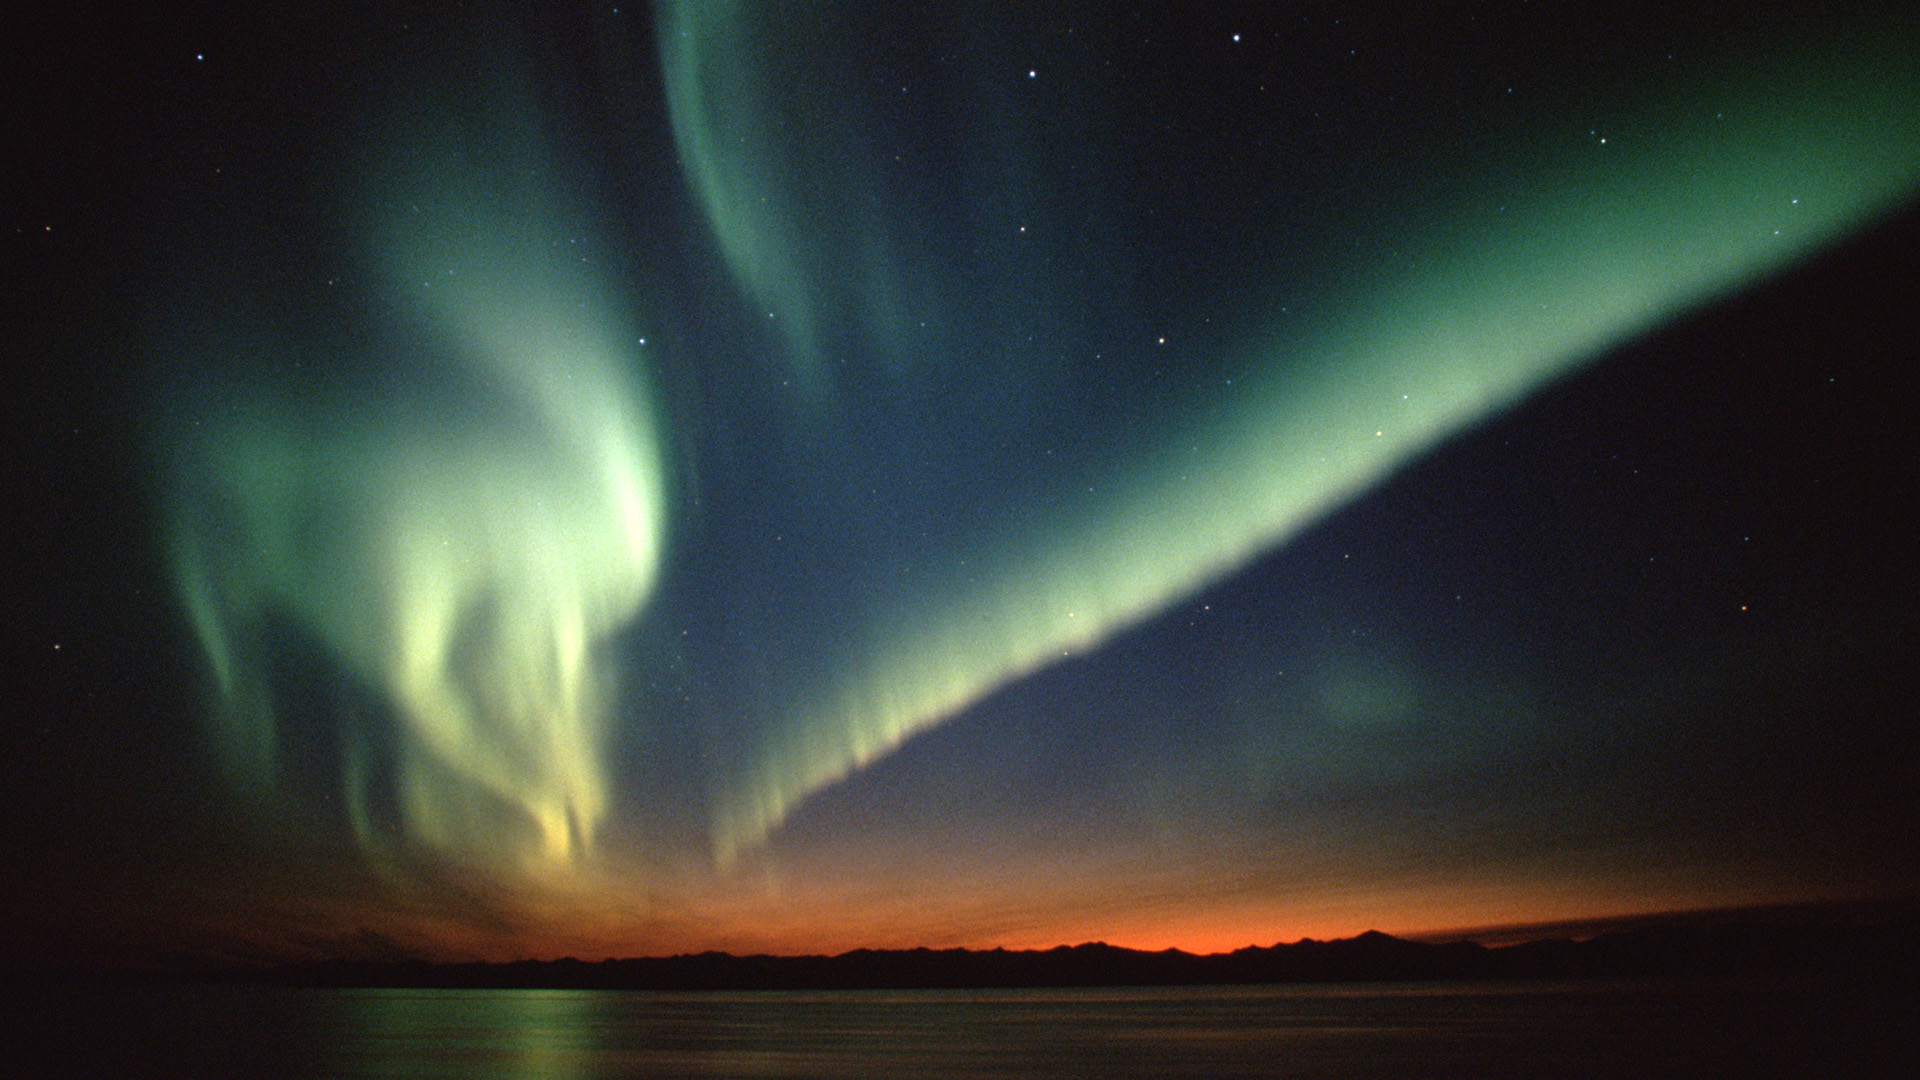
<point x="621" y="481"/>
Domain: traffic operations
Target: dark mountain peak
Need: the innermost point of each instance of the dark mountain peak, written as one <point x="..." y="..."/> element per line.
<point x="1885" y="952"/>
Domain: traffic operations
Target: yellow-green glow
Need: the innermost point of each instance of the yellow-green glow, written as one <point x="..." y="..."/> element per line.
<point x="462" y="537"/>
<point x="541" y="1032"/>
<point x="1589" y="245"/>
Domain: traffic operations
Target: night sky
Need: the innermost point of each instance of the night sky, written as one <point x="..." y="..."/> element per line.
<point x="604" y="480"/>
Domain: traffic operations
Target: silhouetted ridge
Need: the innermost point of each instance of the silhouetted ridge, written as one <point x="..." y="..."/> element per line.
<point x="1885" y="954"/>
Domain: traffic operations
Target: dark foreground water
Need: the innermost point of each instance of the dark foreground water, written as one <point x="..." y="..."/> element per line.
<point x="1581" y="1030"/>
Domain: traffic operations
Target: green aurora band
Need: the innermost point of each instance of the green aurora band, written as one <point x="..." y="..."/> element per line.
<point x="1714" y="185"/>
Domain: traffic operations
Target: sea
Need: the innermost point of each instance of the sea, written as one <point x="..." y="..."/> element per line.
<point x="1641" y="1029"/>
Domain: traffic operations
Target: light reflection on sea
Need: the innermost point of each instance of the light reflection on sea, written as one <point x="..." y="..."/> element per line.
<point x="1583" y="1030"/>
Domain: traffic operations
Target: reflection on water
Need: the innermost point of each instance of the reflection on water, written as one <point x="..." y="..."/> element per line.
<point x="1638" y="1029"/>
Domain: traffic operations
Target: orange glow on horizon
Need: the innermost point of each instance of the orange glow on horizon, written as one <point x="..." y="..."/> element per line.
<point x="815" y="910"/>
<point x="606" y="935"/>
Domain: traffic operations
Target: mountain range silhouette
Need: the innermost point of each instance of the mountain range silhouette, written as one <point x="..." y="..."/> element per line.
<point x="1882" y="951"/>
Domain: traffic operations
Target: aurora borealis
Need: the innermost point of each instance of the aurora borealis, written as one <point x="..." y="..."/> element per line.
<point x="463" y="547"/>
<point x="797" y="477"/>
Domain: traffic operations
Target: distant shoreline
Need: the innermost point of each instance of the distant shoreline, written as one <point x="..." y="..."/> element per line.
<point x="1881" y="953"/>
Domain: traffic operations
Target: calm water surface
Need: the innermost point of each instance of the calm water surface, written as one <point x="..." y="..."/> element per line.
<point x="1631" y="1029"/>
